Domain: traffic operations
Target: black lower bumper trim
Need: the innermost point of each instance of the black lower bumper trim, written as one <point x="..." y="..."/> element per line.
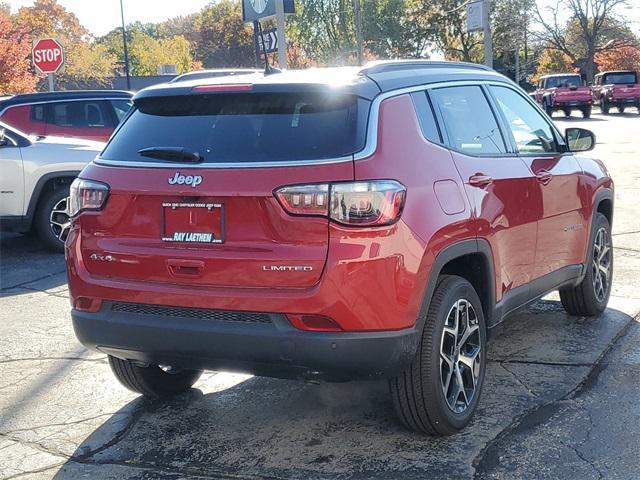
<point x="274" y="349"/>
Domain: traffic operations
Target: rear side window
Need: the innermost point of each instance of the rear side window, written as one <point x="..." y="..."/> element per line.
<point x="37" y="113"/>
<point x="470" y="124"/>
<point x="245" y="127"/>
<point x="80" y="114"/>
<point x="426" y="117"/>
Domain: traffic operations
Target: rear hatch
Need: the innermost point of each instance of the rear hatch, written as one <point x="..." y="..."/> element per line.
<point x="573" y="94"/>
<point x="191" y="187"/>
<point x="569" y="88"/>
<point x="623" y="84"/>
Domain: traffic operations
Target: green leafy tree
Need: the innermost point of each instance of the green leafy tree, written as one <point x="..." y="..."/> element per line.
<point x="84" y="60"/>
<point x="222" y="39"/>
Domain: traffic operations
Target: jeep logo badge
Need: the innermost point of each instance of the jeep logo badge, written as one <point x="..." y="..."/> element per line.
<point x="179" y="179"/>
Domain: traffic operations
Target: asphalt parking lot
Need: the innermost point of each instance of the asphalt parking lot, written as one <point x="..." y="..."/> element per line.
<point x="560" y="399"/>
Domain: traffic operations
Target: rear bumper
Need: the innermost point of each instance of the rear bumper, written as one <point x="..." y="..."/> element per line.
<point x="572" y="103"/>
<point x="624" y="101"/>
<point x="270" y="348"/>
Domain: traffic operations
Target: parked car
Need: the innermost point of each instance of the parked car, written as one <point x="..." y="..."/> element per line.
<point x="213" y="73"/>
<point x="334" y="224"/>
<point x="565" y="92"/>
<point x="619" y="89"/>
<point x="92" y="115"/>
<point x="35" y="175"/>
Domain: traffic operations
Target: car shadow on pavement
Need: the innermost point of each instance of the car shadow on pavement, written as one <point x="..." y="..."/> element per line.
<point x="25" y="265"/>
<point x="237" y="426"/>
<point x="578" y="118"/>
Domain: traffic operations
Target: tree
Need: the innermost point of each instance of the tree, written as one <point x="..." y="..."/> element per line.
<point x="223" y="39"/>
<point x="552" y="61"/>
<point x="16" y="74"/>
<point x="622" y="58"/>
<point x="448" y="18"/>
<point x="84" y="60"/>
<point x="588" y="32"/>
<point x="396" y="28"/>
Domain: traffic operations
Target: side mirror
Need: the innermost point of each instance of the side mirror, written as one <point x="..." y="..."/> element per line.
<point x="580" y="139"/>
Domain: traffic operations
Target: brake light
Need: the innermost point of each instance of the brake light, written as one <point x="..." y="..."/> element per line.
<point x="87" y="195"/>
<point x="367" y="204"/>
<point x="234" y="87"/>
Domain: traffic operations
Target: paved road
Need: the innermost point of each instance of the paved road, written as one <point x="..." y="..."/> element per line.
<point x="559" y="402"/>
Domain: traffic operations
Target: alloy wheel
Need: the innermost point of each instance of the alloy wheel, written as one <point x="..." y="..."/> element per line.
<point x="60" y="219"/>
<point x="601" y="265"/>
<point x="460" y="358"/>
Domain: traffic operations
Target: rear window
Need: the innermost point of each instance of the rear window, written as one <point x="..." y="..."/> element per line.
<point x="245" y="127"/>
<point x="565" y="81"/>
<point x="620" y="78"/>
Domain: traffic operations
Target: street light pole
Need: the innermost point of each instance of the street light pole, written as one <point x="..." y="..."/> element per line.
<point x="282" y="36"/>
<point x="357" y="10"/>
<point x="126" y="52"/>
<point x="488" y="43"/>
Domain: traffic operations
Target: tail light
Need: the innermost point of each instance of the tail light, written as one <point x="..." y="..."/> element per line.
<point x="366" y="204"/>
<point x="86" y="195"/>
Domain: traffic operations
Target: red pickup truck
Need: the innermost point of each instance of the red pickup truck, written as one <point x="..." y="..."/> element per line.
<point x="566" y="92"/>
<point x="620" y="89"/>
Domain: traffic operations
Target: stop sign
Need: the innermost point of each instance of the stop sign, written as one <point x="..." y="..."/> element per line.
<point x="48" y="55"/>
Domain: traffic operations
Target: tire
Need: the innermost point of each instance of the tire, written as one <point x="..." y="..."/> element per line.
<point x="621" y="109"/>
<point x="549" y="109"/>
<point x="586" y="112"/>
<point x="52" y="208"/>
<point x="604" y="106"/>
<point x="567" y="113"/>
<point x="418" y="392"/>
<point x="586" y="298"/>
<point x="152" y="381"/>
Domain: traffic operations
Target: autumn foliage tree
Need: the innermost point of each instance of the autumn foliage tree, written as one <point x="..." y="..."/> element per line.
<point x="553" y="61"/>
<point x="622" y="58"/>
<point x="84" y="60"/>
<point x="16" y="75"/>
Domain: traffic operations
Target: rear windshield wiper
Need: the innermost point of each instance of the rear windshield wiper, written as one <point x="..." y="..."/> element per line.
<point x="172" y="154"/>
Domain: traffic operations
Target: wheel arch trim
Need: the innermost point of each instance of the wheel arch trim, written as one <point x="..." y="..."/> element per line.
<point x="40" y="185"/>
<point x="474" y="246"/>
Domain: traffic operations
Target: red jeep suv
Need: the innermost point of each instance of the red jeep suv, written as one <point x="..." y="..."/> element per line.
<point x="566" y="92"/>
<point x="334" y="224"/>
<point x="616" y="89"/>
<point x="88" y="114"/>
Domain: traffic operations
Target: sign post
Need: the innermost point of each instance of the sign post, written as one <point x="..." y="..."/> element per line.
<point x="256" y="10"/>
<point x="282" y="52"/>
<point x="48" y="57"/>
<point x="478" y="20"/>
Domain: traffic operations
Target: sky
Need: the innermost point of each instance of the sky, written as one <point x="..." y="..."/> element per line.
<point x="102" y="16"/>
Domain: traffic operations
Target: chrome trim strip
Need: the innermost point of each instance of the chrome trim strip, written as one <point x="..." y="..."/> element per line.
<point x="184" y="166"/>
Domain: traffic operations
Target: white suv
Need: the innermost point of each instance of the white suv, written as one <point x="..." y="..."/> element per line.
<point x="35" y="174"/>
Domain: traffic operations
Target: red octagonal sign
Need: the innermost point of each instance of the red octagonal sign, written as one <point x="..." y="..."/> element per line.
<point x="48" y="55"/>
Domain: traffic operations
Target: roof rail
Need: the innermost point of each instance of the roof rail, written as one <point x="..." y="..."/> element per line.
<point x="380" y="66"/>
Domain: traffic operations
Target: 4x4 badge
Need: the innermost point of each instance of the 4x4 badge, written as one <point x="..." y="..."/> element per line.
<point x="179" y="179"/>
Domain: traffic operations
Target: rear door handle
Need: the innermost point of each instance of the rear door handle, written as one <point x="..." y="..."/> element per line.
<point x="544" y="176"/>
<point x="480" y="180"/>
